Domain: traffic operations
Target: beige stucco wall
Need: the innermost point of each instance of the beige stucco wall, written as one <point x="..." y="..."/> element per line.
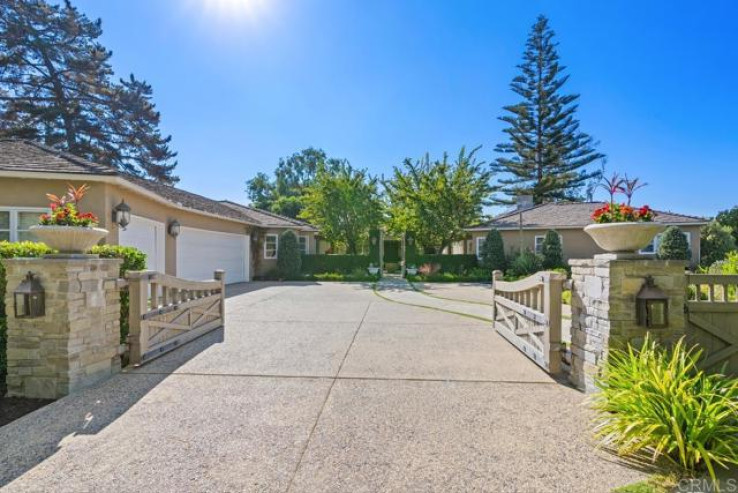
<point x="263" y="266"/>
<point x="575" y="242"/>
<point x="102" y="197"/>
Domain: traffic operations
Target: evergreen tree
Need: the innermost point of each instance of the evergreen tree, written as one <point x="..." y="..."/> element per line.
<point x="493" y="252"/>
<point x="57" y="86"/>
<point x="289" y="260"/>
<point x="674" y="245"/>
<point x="551" y="251"/>
<point x="546" y="155"/>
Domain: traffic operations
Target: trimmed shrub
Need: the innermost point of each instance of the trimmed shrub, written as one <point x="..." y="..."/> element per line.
<point x="12" y="250"/>
<point x="345" y="264"/>
<point x="453" y="264"/>
<point x="133" y="259"/>
<point x="553" y="257"/>
<point x="289" y="260"/>
<point x="716" y="241"/>
<point x="657" y="403"/>
<point x="493" y="252"/>
<point x="524" y="264"/>
<point x="674" y="245"/>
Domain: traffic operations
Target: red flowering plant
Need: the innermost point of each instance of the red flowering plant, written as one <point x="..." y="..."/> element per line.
<point x="65" y="212"/>
<point x="613" y="212"/>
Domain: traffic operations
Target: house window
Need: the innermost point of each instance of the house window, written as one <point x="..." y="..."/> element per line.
<point x="270" y="246"/>
<point x="480" y="245"/>
<point x="653" y="247"/>
<point x="15" y="223"/>
<point x="303" y="244"/>
<point x="539" y="243"/>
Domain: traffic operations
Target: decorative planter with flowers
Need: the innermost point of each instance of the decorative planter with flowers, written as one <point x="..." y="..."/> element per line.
<point x="411" y="270"/>
<point x="67" y="229"/>
<point x="621" y="228"/>
<point x="373" y="270"/>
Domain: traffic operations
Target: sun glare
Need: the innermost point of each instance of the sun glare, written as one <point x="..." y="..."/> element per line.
<point x="233" y="9"/>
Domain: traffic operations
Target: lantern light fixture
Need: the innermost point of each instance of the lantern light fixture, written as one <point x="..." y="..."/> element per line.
<point x="122" y="214"/>
<point x="652" y="305"/>
<point x="174" y="228"/>
<point x="29" y="298"/>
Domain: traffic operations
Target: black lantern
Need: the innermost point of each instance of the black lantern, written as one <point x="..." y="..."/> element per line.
<point x="29" y="298"/>
<point x="174" y="228"/>
<point x="652" y="305"/>
<point x="122" y="214"/>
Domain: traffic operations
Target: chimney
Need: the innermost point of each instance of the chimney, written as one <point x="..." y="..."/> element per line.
<point x="525" y="202"/>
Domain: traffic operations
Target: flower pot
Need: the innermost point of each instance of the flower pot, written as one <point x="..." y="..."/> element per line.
<point x="411" y="271"/>
<point x="68" y="239"/>
<point x="373" y="270"/>
<point x="624" y="237"/>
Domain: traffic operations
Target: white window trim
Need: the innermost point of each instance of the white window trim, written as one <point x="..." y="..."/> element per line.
<point x="307" y="244"/>
<point x="479" y="242"/>
<point x="543" y="237"/>
<point x="14" y="217"/>
<point x="276" y="246"/>
<point x="657" y="241"/>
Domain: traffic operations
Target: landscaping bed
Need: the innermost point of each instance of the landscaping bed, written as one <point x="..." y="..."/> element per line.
<point x="12" y="408"/>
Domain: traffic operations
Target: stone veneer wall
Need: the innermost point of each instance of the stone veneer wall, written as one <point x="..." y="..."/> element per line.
<point x="76" y="343"/>
<point x="603" y="308"/>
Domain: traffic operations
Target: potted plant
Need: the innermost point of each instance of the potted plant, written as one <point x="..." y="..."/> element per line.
<point x="622" y="228"/>
<point x="373" y="270"/>
<point x="67" y="229"/>
<point x="411" y="270"/>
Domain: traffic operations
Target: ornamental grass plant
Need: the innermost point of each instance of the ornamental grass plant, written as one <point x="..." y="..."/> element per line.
<point x="656" y="402"/>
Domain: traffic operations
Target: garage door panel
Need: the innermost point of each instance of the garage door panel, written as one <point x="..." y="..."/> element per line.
<point x="149" y="237"/>
<point x="200" y="253"/>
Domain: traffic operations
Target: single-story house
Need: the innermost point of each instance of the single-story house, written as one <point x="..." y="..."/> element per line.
<point x="525" y="228"/>
<point x="212" y="234"/>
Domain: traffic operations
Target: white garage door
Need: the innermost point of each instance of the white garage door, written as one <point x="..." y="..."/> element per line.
<point x="148" y="236"/>
<point x="200" y="253"/>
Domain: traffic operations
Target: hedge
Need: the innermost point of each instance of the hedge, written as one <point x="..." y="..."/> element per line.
<point x="133" y="259"/>
<point x="345" y="264"/>
<point x="11" y="250"/>
<point x="454" y="264"/>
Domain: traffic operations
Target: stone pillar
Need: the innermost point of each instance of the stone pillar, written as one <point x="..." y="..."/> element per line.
<point x="603" y="308"/>
<point x="76" y="343"/>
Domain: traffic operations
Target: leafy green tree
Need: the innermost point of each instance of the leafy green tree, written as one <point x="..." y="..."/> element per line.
<point x="57" y="86"/>
<point x="438" y="199"/>
<point x="674" y="245"/>
<point x="289" y="260"/>
<point x="729" y="218"/>
<point x="546" y="155"/>
<point x="344" y="203"/>
<point x="493" y="251"/>
<point x="294" y="174"/>
<point x="716" y="240"/>
<point x="551" y="251"/>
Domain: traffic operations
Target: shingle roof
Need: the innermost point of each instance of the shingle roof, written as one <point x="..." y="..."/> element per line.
<point x="269" y="219"/>
<point x="570" y="215"/>
<point x="24" y="155"/>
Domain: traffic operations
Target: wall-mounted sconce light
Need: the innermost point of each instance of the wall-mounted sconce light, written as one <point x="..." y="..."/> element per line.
<point x="174" y="228"/>
<point x="29" y="298"/>
<point x="122" y="214"/>
<point x="652" y="306"/>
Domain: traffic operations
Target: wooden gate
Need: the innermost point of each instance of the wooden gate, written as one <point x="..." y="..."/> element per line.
<point x="712" y="319"/>
<point x="166" y="312"/>
<point x="528" y="314"/>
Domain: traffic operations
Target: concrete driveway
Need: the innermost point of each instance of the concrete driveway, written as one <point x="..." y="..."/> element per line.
<point x="319" y="388"/>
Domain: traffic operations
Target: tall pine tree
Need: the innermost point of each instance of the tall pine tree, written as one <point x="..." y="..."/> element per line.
<point x="57" y="86"/>
<point x="546" y="154"/>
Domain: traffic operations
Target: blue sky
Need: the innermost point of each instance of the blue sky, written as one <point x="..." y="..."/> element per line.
<point x="376" y="81"/>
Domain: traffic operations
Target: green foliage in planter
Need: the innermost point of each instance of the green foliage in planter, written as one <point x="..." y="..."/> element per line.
<point x="674" y="245"/>
<point x="133" y="259"/>
<point x="12" y="250"/>
<point x="320" y="264"/>
<point x="551" y="251"/>
<point x="289" y="261"/>
<point x="716" y="240"/>
<point x="472" y="275"/>
<point x="493" y="252"/>
<point x="453" y="264"/>
<point x="525" y="264"/>
<point x="656" y="403"/>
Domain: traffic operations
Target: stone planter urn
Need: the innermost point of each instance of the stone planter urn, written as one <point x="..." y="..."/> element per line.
<point x="69" y="239"/>
<point x="624" y="237"/>
<point x="373" y="270"/>
<point x="411" y="271"/>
